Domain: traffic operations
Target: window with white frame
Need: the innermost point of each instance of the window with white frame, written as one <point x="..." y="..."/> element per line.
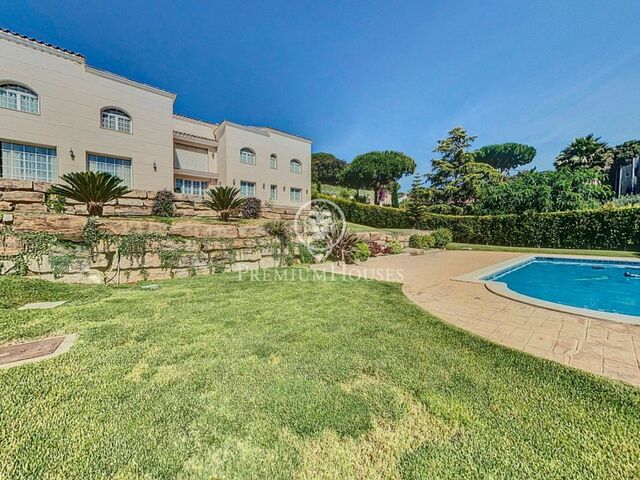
<point x="17" y="97"/>
<point x="295" y="166"/>
<point x="273" y="192"/>
<point x="191" y="187"/>
<point x="28" y="162"/>
<point x="247" y="189"/>
<point x="114" y="119"/>
<point x="120" y="167"/>
<point x="247" y="156"/>
<point x="273" y="161"/>
<point x="295" y="194"/>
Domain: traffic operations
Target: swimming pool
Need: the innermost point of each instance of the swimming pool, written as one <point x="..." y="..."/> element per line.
<point x="609" y="286"/>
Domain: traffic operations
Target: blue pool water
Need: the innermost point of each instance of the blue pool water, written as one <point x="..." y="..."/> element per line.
<point x="594" y="284"/>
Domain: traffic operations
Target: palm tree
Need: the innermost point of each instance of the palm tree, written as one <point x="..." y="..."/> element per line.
<point x="585" y="152"/>
<point x="94" y="189"/>
<point x="224" y="200"/>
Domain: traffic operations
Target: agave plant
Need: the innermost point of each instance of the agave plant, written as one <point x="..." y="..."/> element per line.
<point x="94" y="189"/>
<point x="342" y="244"/>
<point x="224" y="200"/>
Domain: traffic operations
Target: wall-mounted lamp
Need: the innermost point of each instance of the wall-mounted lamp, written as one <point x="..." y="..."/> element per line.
<point x="263" y="186"/>
<point x="284" y="189"/>
<point x="155" y="166"/>
<point x="72" y="154"/>
<point x="234" y="181"/>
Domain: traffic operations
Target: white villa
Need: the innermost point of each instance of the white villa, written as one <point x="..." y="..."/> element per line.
<point x="58" y="114"/>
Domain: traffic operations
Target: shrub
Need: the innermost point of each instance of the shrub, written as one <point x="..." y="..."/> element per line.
<point x="442" y="237"/>
<point x="423" y="242"/>
<point x="163" y="204"/>
<point x="361" y="198"/>
<point x="342" y="244"/>
<point x="395" y="247"/>
<point x="625" y="201"/>
<point x="344" y="193"/>
<point x="224" y="200"/>
<point x="251" y="208"/>
<point x="378" y="249"/>
<point x="362" y="252"/>
<point x="305" y="255"/>
<point x="94" y="189"/>
<point x="280" y="230"/>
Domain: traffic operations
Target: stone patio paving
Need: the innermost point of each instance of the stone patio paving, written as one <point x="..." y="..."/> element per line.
<point x="597" y="346"/>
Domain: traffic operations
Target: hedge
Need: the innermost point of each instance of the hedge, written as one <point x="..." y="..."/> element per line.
<point x="370" y="215"/>
<point x="603" y="229"/>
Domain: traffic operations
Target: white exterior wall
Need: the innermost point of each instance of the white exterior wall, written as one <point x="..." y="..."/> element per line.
<point x="71" y="97"/>
<point x="201" y="129"/>
<point x="264" y="142"/>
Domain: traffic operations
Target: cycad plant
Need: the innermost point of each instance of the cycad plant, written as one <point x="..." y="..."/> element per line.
<point x="224" y="200"/>
<point x="94" y="189"/>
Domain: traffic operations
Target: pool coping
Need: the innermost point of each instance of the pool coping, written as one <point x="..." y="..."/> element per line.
<point x="501" y="288"/>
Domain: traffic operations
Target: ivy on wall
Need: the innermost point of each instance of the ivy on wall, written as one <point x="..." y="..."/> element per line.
<point x="122" y="254"/>
<point x="34" y="246"/>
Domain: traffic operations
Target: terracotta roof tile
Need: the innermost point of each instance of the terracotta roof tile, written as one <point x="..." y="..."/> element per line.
<point x="286" y="133"/>
<point x="44" y="44"/>
<point x="195" y="137"/>
<point x="195" y="119"/>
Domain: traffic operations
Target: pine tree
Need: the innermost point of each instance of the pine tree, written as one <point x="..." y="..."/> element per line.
<point x="415" y="204"/>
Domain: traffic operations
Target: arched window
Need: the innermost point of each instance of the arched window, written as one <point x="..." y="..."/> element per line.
<point x="115" y="119"/>
<point x="247" y="156"/>
<point x="17" y="97"/>
<point x="295" y="166"/>
<point x="273" y="161"/>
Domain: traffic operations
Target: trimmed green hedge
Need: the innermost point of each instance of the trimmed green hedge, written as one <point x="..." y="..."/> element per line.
<point x="370" y="215"/>
<point x="604" y="228"/>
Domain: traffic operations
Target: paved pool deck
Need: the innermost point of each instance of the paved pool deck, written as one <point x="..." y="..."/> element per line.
<point x="602" y="347"/>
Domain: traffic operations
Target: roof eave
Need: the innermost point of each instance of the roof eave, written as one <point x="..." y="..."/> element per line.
<point x="42" y="46"/>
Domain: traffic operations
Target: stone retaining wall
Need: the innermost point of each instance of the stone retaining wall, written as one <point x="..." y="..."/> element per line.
<point x="25" y="196"/>
<point x="204" y="248"/>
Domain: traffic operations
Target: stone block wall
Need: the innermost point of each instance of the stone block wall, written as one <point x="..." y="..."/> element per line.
<point x="203" y="247"/>
<point x="25" y="196"/>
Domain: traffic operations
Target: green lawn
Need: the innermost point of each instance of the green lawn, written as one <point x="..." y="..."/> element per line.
<point x="213" y="377"/>
<point x="355" y="227"/>
<point x="561" y="251"/>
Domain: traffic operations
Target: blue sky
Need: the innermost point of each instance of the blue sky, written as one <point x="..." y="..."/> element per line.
<point x="361" y="76"/>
